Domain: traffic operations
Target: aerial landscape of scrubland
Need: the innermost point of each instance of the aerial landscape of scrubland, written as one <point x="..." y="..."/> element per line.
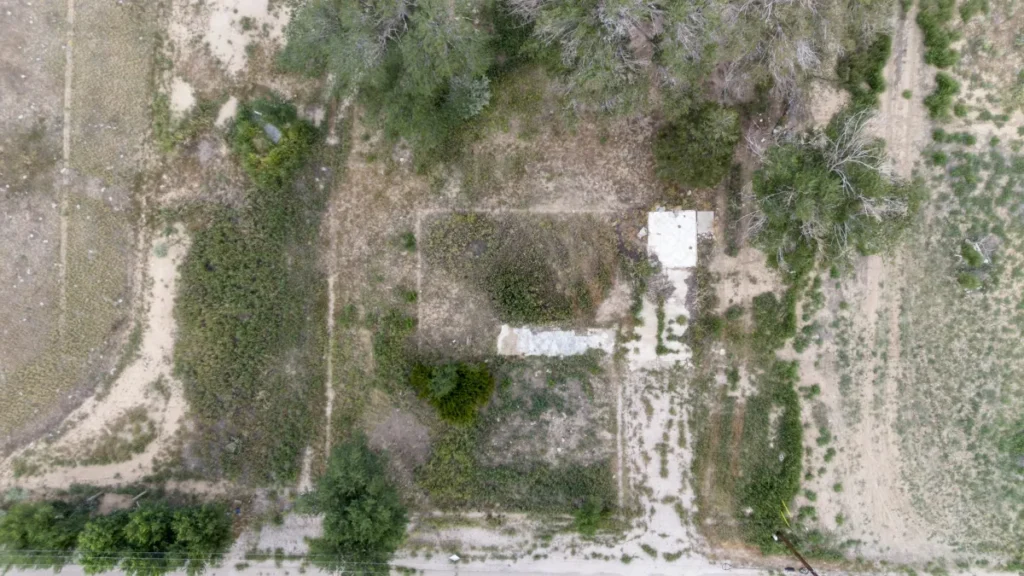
<point x="591" y="287"/>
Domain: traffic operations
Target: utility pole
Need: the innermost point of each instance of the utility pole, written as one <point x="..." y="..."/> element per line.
<point x="780" y="536"/>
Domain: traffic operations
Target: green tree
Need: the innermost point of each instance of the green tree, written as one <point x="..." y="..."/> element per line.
<point x="601" y="68"/>
<point x="419" y="67"/>
<point x="101" y="544"/>
<point x="200" y="533"/>
<point x="28" y="528"/>
<point x="150" y="537"/>
<point x="829" y="195"/>
<point x="364" y="519"/>
<point x="695" y="148"/>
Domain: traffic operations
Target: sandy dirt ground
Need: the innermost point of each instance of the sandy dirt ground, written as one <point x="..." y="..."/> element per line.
<point x="148" y="381"/>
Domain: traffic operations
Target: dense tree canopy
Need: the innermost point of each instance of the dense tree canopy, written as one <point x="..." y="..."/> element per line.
<point x="364" y="519"/>
<point x="830" y="193"/>
<point x="27" y="527"/>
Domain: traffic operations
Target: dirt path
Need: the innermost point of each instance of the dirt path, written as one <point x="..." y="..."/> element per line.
<point x="66" y="169"/>
<point x="903" y="122"/>
<point x="147" y="381"/>
<point x="329" y="388"/>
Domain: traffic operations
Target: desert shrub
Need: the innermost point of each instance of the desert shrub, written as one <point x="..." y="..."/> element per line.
<point x="968" y="281"/>
<point x="420" y="69"/>
<point x="860" y="71"/>
<point x="734" y="211"/>
<point x="970" y="8"/>
<point x="971" y="255"/>
<point x="591" y="516"/>
<point x="940" y="100"/>
<point x="695" y="147"/>
<point x="39" y="534"/>
<point x="456" y="389"/>
<point x="934" y="17"/>
<point x="827" y="198"/>
<point x="774" y="322"/>
<point x="364" y="519"/>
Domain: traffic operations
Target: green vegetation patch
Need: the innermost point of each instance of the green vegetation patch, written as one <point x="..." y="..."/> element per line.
<point x="935" y="17"/>
<point x="533" y="268"/>
<point x="250" y="345"/>
<point x="505" y="459"/>
<point x="940" y="102"/>
<point x="456" y="389"/>
<point x="455" y="479"/>
<point x="770" y="454"/>
<point x="694" y="147"/>
<point x="29" y="527"/>
<point x="152" y="539"/>
<point x="423" y="74"/>
<point x="860" y="72"/>
<point x="830" y="198"/>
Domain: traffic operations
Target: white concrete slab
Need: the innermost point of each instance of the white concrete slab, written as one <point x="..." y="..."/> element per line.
<point x="526" y="341"/>
<point x="705" y="223"/>
<point x="672" y="238"/>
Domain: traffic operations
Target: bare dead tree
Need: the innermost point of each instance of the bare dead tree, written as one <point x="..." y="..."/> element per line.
<point x="392" y="25"/>
<point x="852" y="146"/>
<point x="526" y="9"/>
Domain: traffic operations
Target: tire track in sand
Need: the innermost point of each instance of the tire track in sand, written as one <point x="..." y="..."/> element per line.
<point x="66" y="168"/>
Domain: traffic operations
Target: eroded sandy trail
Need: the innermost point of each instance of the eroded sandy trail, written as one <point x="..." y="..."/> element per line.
<point x="903" y="122"/>
<point x="148" y="381"/>
<point x="66" y="166"/>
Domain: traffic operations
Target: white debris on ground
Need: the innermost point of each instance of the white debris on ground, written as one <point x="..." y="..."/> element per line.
<point x="526" y="341"/>
<point x="227" y="112"/>
<point x="183" y="98"/>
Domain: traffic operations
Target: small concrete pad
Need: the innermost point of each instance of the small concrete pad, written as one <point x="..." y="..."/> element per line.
<point x="705" y="223"/>
<point x="672" y="238"/>
<point x="526" y="341"/>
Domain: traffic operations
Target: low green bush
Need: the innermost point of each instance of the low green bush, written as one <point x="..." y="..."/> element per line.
<point x="591" y="516"/>
<point x="971" y="8"/>
<point x="458" y="390"/>
<point x="934" y="17"/>
<point x="968" y="281"/>
<point x="695" y="147"/>
<point x="774" y="323"/>
<point x="940" y="101"/>
<point x="971" y="256"/>
<point x="860" y="72"/>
